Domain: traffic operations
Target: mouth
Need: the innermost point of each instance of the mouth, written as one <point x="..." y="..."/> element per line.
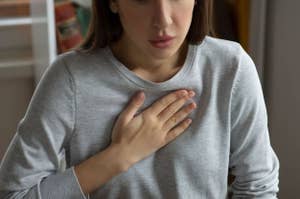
<point x="162" y="42"/>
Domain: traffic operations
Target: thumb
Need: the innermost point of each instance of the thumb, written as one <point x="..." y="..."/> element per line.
<point x="135" y="103"/>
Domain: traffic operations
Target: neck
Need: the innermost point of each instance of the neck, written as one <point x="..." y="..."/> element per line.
<point x="135" y="61"/>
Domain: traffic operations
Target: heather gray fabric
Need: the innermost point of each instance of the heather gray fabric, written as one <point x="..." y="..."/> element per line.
<point x="75" y="105"/>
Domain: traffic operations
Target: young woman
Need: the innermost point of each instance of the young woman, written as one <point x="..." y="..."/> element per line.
<point x="196" y="113"/>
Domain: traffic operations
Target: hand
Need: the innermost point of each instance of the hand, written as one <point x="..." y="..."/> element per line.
<point x="142" y="134"/>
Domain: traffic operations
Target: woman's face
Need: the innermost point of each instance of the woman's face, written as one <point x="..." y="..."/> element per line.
<point x="145" y="22"/>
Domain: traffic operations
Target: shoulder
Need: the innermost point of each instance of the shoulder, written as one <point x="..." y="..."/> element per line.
<point x="221" y="45"/>
<point x="78" y="60"/>
<point x="221" y="54"/>
<point x="221" y="49"/>
<point x="234" y="65"/>
<point x="66" y="65"/>
<point x="229" y="65"/>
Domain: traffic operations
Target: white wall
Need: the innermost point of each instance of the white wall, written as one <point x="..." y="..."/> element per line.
<point x="281" y="81"/>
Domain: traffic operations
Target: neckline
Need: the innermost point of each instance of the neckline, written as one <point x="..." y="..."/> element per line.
<point x="150" y="85"/>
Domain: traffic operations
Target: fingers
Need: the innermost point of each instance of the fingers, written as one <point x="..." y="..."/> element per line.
<point x="174" y="107"/>
<point x="174" y="133"/>
<point x="179" y="116"/>
<point x="162" y="103"/>
<point x="135" y="103"/>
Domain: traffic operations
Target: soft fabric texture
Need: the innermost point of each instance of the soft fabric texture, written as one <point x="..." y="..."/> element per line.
<point x="76" y="103"/>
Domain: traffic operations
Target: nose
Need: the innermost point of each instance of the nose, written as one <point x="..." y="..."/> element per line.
<point x="161" y="14"/>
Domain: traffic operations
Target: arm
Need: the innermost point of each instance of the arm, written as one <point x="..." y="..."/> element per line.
<point x="252" y="159"/>
<point x="30" y="167"/>
<point x="135" y="136"/>
<point x="100" y="168"/>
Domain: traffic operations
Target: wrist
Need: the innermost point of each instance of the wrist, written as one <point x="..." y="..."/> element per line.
<point x="100" y="168"/>
<point x="121" y="157"/>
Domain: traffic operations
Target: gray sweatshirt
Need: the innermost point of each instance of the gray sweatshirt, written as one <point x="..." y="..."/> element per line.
<point x="72" y="112"/>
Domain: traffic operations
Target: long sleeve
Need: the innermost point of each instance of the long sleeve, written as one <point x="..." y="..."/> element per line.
<point x="252" y="159"/>
<point x="31" y="165"/>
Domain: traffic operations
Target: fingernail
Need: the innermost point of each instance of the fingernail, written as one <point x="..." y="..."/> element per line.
<point x="194" y="105"/>
<point x="141" y="95"/>
<point x="191" y="93"/>
<point x="189" y="121"/>
<point x="183" y="93"/>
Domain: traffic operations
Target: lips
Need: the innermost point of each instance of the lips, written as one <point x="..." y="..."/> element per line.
<point x="162" y="42"/>
<point x="162" y="39"/>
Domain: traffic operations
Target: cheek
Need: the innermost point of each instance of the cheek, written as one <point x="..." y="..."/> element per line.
<point x="134" y="23"/>
<point x="184" y="18"/>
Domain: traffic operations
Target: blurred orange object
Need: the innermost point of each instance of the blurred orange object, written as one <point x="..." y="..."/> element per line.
<point x="242" y="13"/>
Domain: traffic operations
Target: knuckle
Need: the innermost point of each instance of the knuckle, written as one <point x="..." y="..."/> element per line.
<point x="135" y="103"/>
<point x="121" y="119"/>
<point x="181" y="93"/>
<point x="150" y="118"/>
<point x="164" y="141"/>
<point x="174" y="119"/>
<point x="182" y="126"/>
<point x="164" y="128"/>
<point x="168" y="138"/>
<point x="187" y="110"/>
<point x="181" y="101"/>
<point x="186" y="124"/>
<point x="163" y="101"/>
<point x="173" y="135"/>
<point x="146" y="113"/>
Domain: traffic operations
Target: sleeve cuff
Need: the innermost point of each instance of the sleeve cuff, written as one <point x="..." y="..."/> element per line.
<point x="76" y="179"/>
<point x="62" y="185"/>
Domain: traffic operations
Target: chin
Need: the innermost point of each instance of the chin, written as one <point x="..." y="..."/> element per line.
<point x="159" y="54"/>
<point x="163" y="53"/>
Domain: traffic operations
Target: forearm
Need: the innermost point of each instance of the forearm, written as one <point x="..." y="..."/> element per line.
<point x="74" y="182"/>
<point x="102" y="167"/>
<point x="56" y="185"/>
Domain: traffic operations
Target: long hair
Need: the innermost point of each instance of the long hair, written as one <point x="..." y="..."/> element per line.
<point x="105" y="27"/>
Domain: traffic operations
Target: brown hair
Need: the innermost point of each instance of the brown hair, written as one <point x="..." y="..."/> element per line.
<point x="105" y="27"/>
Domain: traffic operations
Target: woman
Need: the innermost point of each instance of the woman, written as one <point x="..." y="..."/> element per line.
<point x="146" y="148"/>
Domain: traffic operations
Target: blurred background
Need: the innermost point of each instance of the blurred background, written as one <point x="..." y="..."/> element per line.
<point x="34" y="32"/>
